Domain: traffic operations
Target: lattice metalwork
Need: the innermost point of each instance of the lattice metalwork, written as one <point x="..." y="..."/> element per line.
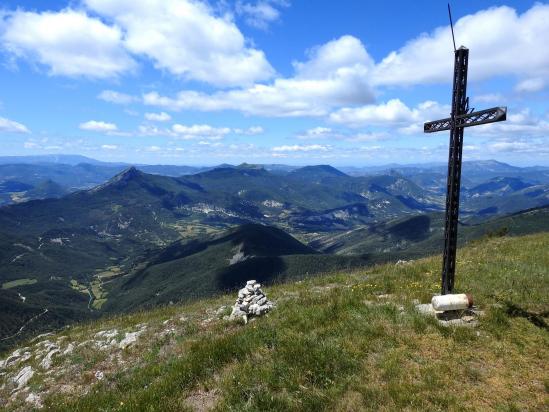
<point x="456" y="123"/>
<point x="495" y="114"/>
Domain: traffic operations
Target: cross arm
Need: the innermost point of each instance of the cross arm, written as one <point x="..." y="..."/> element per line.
<point x="495" y="114"/>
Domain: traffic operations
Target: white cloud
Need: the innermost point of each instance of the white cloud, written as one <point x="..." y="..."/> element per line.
<point x="200" y="131"/>
<point x="260" y="14"/>
<point x="98" y="126"/>
<point x="10" y="126"/>
<point x="531" y="85"/>
<point x="158" y="117"/>
<point x="367" y="137"/>
<point x="335" y="74"/>
<point x="69" y="42"/>
<point x="392" y="113"/>
<point x="488" y="98"/>
<point x="316" y="133"/>
<point x="197" y="131"/>
<point x="531" y="147"/>
<point x="250" y="131"/>
<point x="185" y="38"/>
<point x="109" y="147"/>
<point x="153" y="149"/>
<point x="500" y="42"/>
<point x="329" y="133"/>
<point x="151" y="130"/>
<point x="301" y="148"/>
<point x="112" y="96"/>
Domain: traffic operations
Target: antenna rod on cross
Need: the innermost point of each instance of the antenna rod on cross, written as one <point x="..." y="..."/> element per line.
<point x="452" y="26"/>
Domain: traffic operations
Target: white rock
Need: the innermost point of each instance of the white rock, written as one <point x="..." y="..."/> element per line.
<point x="108" y="334"/>
<point x="129" y="339"/>
<point x="70" y="348"/>
<point x="34" y="400"/>
<point x="99" y="375"/>
<point x="23" y="376"/>
<point x="46" y="362"/>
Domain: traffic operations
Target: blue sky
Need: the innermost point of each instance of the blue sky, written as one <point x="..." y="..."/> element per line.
<point x="268" y="81"/>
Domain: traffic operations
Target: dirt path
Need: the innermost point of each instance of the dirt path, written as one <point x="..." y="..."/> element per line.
<point x="25" y="325"/>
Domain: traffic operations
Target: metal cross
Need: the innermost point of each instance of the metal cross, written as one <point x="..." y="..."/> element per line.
<point x="460" y="118"/>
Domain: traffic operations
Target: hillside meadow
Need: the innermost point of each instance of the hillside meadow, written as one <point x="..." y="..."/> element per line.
<point x="343" y="341"/>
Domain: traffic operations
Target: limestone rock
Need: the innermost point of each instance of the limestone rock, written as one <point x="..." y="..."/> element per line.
<point x="130" y="338"/>
<point x="46" y="362"/>
<point x="34" y="400"/>
<point x="23" y="376"/>
<point x="69" y="349"/>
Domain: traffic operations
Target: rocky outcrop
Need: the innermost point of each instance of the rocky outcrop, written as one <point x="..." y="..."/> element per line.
<point x="251" y="301"/>
<point x="23" y="376"/>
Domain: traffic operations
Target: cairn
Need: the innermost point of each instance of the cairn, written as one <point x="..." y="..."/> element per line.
<point x="251" y="301"/>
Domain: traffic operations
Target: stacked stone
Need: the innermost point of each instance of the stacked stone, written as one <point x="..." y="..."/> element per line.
<point x="251" y="301"/>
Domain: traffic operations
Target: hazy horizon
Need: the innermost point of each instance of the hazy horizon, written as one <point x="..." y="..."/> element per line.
<point x="346" y="165"/>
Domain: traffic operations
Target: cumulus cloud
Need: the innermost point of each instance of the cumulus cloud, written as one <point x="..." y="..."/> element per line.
<point x="335" y="74"/>
<point x="98" y="126"/>
<point x="185" y="38"/>
<point x="109" y="147"/>
<point x="68" y="42"/>
<point x="182" y="37"/>
<point x="112" y="96"/>
<point x="392" y="113"/>
<point x="10" y="126"/>
<point x="301" y="148"/>
<point x="341" y="73"/>
<point x="261" y="13"/>
<point x="196" y="131"/>
<point x="200" y="131"/>
<point x="250" y="131"/>
<point x="329" y="133"/>
<point x="501" y="43"/>
<point x="158" y="117"/>
<point x="488" y="98"/>
<point x="531" y="85"/>
<point x="318" y="132"/>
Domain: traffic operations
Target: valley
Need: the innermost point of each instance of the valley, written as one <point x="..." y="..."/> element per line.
<point x="137" y="240"/>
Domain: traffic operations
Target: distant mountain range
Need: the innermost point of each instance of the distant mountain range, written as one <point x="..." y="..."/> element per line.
<point x="19" y="175"/>
<point x="131" y="239"/>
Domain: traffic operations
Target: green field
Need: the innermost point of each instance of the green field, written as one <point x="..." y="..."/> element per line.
<point x="344" y="341"/>
<point x="18" y="282"/>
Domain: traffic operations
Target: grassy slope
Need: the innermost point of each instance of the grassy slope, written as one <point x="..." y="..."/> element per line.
<point x="422" y="235"/>
<point x="346" y="341"/>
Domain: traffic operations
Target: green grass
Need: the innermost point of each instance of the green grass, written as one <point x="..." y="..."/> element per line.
<point x="345" y="342"/>
<point x="18" y="282"/>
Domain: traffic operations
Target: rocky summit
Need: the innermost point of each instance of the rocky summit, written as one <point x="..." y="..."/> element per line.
<point x="251" y="301"/>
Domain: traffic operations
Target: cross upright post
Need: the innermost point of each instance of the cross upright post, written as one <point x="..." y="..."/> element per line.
<point x="460" y="118"/>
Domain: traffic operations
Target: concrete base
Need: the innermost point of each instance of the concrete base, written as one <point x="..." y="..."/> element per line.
<point x="466" y="318"/>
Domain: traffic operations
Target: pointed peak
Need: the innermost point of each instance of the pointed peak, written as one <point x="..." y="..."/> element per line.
<point x="125" y="176"/>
